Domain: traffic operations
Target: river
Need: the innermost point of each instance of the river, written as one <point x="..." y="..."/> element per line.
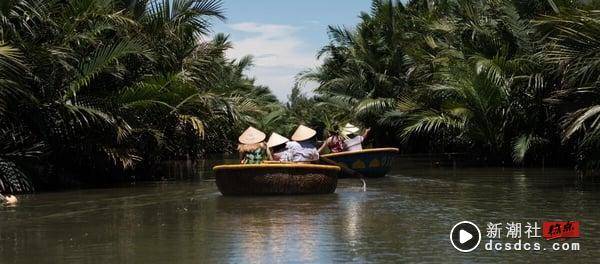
<point x="405" y="217"/>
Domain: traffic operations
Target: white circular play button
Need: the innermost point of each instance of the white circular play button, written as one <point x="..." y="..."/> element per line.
<point x="465" y="236"/>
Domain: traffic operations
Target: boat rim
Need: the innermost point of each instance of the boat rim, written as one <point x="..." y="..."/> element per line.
<point x="348" y="153"/>
<point x="274" y="166"/>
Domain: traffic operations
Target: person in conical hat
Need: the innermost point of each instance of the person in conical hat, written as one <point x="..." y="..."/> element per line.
<point x="276" y="140"/>
<point x="353" y="142"/>
<point x="303" y="145"/>
<point x="276" y="148"/>
<point x="252" y="136"/>
<point x="350" y="129"/>
<point x="303" y="133"/>
<point x="252" y="147"/>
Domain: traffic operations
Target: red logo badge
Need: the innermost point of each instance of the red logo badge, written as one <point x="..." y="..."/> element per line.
<point x="554" y="230"/>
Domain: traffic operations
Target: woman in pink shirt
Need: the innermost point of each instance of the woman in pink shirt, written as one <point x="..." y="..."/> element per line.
<point x="335" y="143"/>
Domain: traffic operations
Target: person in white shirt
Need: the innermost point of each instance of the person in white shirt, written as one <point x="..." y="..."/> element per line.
<point x="303" y="145"/>
<point x="353" y="141"/>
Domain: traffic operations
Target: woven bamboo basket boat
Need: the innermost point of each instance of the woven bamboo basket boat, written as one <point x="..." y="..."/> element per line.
<point x="276" y="179"/>
<point x="277" y="162"/>
<point x="371" y="163"/>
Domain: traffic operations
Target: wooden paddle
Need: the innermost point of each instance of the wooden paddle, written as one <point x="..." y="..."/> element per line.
<point x="346" y="170"/>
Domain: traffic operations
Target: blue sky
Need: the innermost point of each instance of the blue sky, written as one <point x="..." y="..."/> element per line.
<point x="284" y="36"/>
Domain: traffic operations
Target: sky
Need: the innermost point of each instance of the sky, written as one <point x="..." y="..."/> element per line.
<point x="284" y="36"/>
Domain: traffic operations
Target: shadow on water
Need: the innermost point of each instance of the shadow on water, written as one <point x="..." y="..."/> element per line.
<point x="406" y="216"/>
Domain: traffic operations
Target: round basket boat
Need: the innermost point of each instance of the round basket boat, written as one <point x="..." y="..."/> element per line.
<point x="276" y="179"/>
<point x="277" y="162"/>
<point x="371" y="163"/>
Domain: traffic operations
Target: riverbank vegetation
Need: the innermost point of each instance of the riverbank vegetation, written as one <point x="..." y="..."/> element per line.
<point x="95" y="90"/>
<point x="107" y="90"/>
<point x="510" y="81"/>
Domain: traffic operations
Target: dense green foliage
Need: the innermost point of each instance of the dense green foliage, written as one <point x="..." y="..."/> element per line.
<point x="95" y="90"/>
<point x="101" y="88"/>
<point x="507" y="80"/>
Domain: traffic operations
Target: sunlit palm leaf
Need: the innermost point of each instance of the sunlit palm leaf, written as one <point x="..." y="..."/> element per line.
<point x="195" y="123"/>
<point x="523" y="145"/>
<point x="374" y="107"/>
<point x="587" y="118"/>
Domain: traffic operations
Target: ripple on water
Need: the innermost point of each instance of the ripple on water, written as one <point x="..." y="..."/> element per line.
<point x="405" y="217"/>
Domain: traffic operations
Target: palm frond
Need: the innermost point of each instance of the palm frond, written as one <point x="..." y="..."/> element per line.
<point x="523" y="145"/>
<point x="12" y="179"/>
<point x="374" y="107"/>
<point x="101" y="60"/>
<point x="587" y="118"/>
<point x="194" y="123"/>
<point x="429" y="122"/>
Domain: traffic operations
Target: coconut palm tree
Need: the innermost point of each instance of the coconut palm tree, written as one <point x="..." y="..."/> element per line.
<point x="572" y="50"/>
<point x="16" y="142"/>
<point x="103" y="86"/>
<point x="365" y="68"/>
<point x="468" y="70"/>
<point x="495" y="51"/>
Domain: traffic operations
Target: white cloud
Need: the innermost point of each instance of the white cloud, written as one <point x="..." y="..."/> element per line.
<point x="278" y="50"/>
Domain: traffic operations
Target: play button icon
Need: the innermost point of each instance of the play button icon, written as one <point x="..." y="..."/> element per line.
<point x="465" y="236"/>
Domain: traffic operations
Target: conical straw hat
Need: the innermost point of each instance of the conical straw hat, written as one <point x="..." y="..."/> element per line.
<point x="350" y="129"/>
<point x="303" y="133"/>
<point x="252" y="136"/>
<point x="276" y="140"/>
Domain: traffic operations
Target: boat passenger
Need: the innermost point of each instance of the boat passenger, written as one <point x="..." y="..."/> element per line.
<point x="252" y="147"/>
<point x="8" y="199"/>
<point x="303" y="145"/>
<point x="335" y="142"/>
<point x="277" y="148"/>
<point x="353" y="142"/>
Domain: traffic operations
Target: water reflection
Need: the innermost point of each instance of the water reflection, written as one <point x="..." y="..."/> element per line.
<point x="404" y="217"/>
<point x="352" y="220"/>
<point x="276" y="228"/>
